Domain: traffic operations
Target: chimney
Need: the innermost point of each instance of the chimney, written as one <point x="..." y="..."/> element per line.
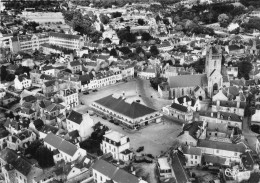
<point x="238" y="104"/>
<point x="218" y="115"/>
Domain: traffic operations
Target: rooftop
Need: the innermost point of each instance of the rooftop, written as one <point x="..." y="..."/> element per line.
<point x="114" y="135"/>
<point x="188" y="80"/>
<point x="163" y="163"/>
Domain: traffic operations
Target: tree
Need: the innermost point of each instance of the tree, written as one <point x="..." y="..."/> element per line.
<point x="104" y="19"/>
<point x="158" y="18"/>
<point x="116" y="14"/>
<point x="32" y="148"/>
<point x="166" y="21"/>
<point x="223" y="20"/>
<point x="107" y="41"/>
<point x="125" y="34"/>
<point x="244" y="68"/>
<point x="140" y="21"/>
<point x="146" y="36"/>
<point x="113" y="52"/>
<point x="154" y="50"/>
<point x="125" y="50"/>
<point x="44" y="156"/>
<point x="3" y="73"/>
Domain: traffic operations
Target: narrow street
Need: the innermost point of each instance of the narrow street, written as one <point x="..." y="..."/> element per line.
<point x="248" y="134"/>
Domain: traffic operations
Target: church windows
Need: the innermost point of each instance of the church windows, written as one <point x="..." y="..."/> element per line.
<point x="182" y="91"/>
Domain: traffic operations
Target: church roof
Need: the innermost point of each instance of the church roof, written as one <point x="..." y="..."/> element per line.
<point x="188" y="81"/>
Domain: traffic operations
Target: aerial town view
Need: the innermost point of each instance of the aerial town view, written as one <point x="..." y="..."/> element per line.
<point x="130" y="91"/>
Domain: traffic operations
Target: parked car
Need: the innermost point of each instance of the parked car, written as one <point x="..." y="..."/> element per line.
<point x="104" y="117"/>
<point x="86" y="93"/>
<point x="111" y="121"/>
<point x="95" y="90"/>
<point x="141" y="148"/>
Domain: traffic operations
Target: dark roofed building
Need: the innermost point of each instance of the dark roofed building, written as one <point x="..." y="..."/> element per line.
<point x="127" y="112"/>
<point x="109" y="172"/>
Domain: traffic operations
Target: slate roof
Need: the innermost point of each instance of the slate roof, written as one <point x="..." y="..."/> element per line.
<point x="225" y="116"/>
<point x="191" y="150"/>
<point x="49" y="83"/>
<point x="133" y="110"/>
<point x="60" y="144"/>
<point x="114" y="173"/>
<point x="192" y="128"/>
<point x="240" y="147"/>
<point x="214" y="159"/>
<point x="75" y="117"/>
<point x="64" y="36"/>
<point x="188" y="80"/>
<point x="177" y="166"/>
<point x="27" y="111"/>
<point x="75" y="63"/>
<point x="38" y="123"/>
<point x="85" y="79"/>
<point x="46" y="77"/>
<point x="21" y="164"/>
<point x="22" y="77"/>
<point x="179" y="107"/>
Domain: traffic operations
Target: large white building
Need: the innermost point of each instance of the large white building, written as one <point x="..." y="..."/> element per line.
<point x="117" y="144"/>
<point x="22" y="81"/>
<point x="72" y="42"/>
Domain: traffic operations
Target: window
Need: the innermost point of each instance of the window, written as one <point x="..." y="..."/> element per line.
<point x="191" y="162"/>
<point x="100" y="178"/>
<point x="196" y="157"/>
<point x="217" y="151"/>
<point x="191" y="156"/>
<point x="235" y="154"/>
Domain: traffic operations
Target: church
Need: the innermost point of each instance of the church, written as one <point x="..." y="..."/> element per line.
<point x="211" y="81"/>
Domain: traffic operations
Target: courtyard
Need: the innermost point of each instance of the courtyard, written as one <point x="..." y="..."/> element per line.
<point x="156" y="138"/>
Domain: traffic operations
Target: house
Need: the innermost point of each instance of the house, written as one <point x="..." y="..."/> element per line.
<point x="224" y="149"/>
<point x="22" y="81"/>
<point x="19" y="140"/>
<point x="104" y="171"/>
<point x="192" y="154"/>
<point x="75" y="66"/>
<point x="83" y="123"/>
<point x="231" y="120"/>
<point x="185" y="84"/>
<point x="178" y="111"/>
<point x="177" y="165"/>
<point x="67" y="151"/>
<point x="233" y="71"/>
<point x="130" y="113"/>
<point x="235" y="107"/>
<point x="69" y="97"/>
<point x="17" y="168"/>
<point x="4" y="134"/>
<point x="191" y="132"/>
<point x="28" y="113"/>
<point x="147" y="73"/>
<point x="117" y="144"/>
<point x="164" y="168"/>
<point x="235" y="49"/>
<point x="220" y="96"/>
<point x="191" y="103"/>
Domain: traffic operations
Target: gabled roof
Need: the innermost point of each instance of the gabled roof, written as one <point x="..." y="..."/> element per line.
<point x="133" y="110"/>
<point x="75" y="116"/>
<point x="188" y="80"/>
<point x="64" y="36"/>
<point x="178" y="160"/>
<point x="75" y="63"/>
<point x="61" y="144"/>
<point x="191" y="150"/>
<point x="114" y="173"/>
<point x="192" y="128"/>
<point x="179" y="107"/>
<point x="22" y="77"/>
<point x="49" y="83"/>
<point x="240" y="147"/>
<point x="27" y="111"/>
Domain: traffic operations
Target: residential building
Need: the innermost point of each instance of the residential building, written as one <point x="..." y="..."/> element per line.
<point x="17" y="168"/>
<point x="22" y="81"/>
<point x="222" y="148"/>
<point x="18" y="141"/>
<point x="164" y="167"/>
<point x="82" y="123"/>
<point x="71" y="42"/>
<point x="75" y="66"/>
<point x="178" y="111"/>
<point x="104" y="171"/>
<point x="67" y="151"/>
<point x="117" y="144"/>
<point x="27" y="113"/>
<point x="4" y="134"/>
<point x="69" y="97"/>
<point x="235" y="107"/>
<point x="192" y="154"/>
<point x="132" y="114"/>
<point x="177" y="164"/>
<point x="147" y="73"/>
<point x="230" y="120"/>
